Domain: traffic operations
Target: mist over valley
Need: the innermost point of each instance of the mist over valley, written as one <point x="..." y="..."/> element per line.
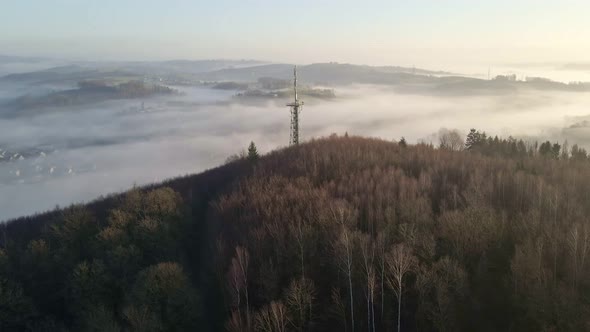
<point x="79" y="130"/>
<point x="302" y="166"/>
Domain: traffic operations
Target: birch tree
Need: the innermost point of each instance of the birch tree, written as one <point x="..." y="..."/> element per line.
<point x="344" y="247"/>
<point x="400" y="262"/>
<point x="272" y="318"/>
<point x="300" y="297"/>
<point x="381" y="247"/>
<point x="238" y="283"/>
<point x="368" y="258"/>
<point x="243" y="259"/>
<point x="578" y="244"/>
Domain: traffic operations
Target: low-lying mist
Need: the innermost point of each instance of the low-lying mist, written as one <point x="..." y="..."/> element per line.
<point x="75" y="154"/>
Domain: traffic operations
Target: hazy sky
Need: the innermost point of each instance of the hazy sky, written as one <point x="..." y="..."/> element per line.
<point x="421" y="32"/>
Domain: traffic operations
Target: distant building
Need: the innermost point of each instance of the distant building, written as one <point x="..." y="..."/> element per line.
<point x="508" y="78"/>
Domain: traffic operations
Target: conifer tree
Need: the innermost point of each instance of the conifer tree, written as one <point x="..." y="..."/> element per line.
<point x="252" y="152"/>
<point x="475" y="139"/>
<point x="402" y="142"/>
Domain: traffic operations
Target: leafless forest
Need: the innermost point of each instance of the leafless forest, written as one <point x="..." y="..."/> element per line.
<point x="337" y="234"/>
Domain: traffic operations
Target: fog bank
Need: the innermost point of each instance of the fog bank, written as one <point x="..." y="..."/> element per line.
<point x="79" y="153"/>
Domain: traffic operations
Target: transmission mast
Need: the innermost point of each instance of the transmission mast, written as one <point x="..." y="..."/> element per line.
<point x="295" y="106"/>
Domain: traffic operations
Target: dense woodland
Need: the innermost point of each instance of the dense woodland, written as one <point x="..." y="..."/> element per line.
<point x="337" y="234"/>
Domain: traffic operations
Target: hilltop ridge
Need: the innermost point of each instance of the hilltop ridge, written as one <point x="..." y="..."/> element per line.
<point x="320" y="226"/>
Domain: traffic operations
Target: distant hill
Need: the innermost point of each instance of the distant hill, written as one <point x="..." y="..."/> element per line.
<point x="67" y="74"/>
<point x="221" y="72"/>
<point x="92" y="91"/>
<point x="77" y="70"/>
<point x="173" y="69"/>
<point x="405" y="80"/>
<point x="333" y="73"/>
<point x="200" y="66"/>
<point x="314" y="237"/>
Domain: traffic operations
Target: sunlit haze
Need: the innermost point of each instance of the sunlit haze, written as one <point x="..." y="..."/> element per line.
<point x="442" y="34"/>
<point x="96" y="96"/>
<point x="294" y="166"/>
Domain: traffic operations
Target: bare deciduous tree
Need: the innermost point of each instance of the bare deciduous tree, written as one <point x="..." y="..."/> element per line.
<point x="300" y="297"/>
<point x="527" y="264"/>
<point x="400" y="261"/>
<point x="235" y="285"/>
<point x="579" y="244"/>
<point x="342" y="214"/>
<point x="372" y="285"/>
<point x="238" y="282"/>
<point x="381" y="259"/>
<point x="243" y="259"/>
<point x="344" y="247"/>
<point x="302" y="232"/>
<point x="450" y="139"/>
<point x="439" y="285"/>
<point x="272" y="318"/>
<point x="368" y="257"/>
<point x="339" y="308"/>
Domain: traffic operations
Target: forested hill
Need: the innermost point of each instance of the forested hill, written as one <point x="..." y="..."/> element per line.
<point x="337" y="234"/>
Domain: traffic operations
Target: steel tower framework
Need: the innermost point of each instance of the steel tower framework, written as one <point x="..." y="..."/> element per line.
<point x="296" y="107"/>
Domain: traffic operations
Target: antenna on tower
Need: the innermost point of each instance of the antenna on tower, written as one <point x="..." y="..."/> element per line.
<point x="295" y="106"/>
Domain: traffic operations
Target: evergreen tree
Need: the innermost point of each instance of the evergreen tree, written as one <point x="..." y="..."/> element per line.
<point x="252" y="152"/>
<point x="579" y="153"/>
<point x="469" y="142"/>
<point x="545" y="149"/>
<point x="402" y="142"/>
<point x="555" y="150"/>
<point x="475" y="139"/>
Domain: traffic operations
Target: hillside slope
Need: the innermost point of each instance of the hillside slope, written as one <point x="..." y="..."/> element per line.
<point x="324" y="236"/>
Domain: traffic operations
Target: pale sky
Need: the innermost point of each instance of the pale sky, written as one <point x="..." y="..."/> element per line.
<point x="421" y="32"/>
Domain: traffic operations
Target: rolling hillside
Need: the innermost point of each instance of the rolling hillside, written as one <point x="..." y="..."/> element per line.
<point x="337" y="234"/>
